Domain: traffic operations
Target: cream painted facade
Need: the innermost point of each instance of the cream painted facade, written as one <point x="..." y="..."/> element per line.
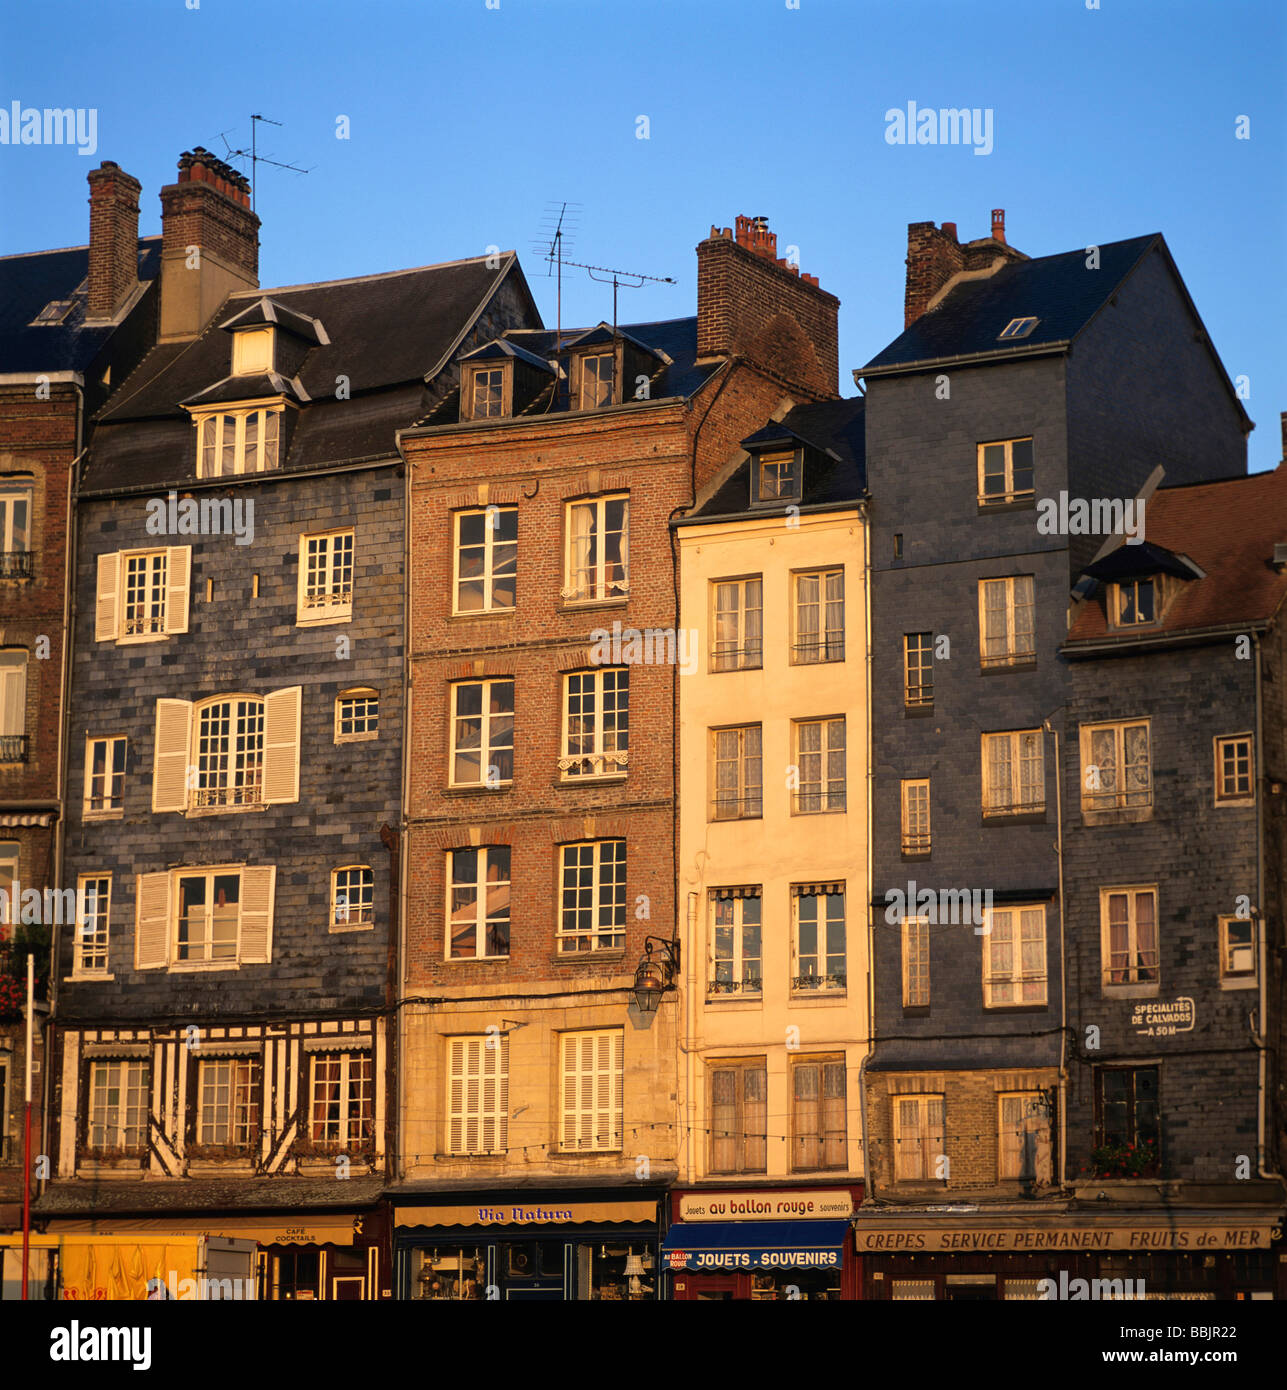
<point x="782" y="848"/>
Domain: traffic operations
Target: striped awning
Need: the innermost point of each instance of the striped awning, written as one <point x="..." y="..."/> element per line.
<point x="746" y="890"/>
<point x="12" y="820"/>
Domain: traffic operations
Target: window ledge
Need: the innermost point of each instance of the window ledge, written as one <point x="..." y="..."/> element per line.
<point x="1130" y="815"/>
<point x="1026" y="502"/>
<point x="478" y="789"/>
<point x="1000" y="668"/>
<point x="476" y="960"/>
<point x="1025" y="1008"/>
<point x="916" y="1010"/>
<point x="823" y="811"/>
<point x="482" y="615"/>
<point x="1014" y="817"/>
<point x="588" y="957"/>
<point x="357" y="738"/>
<point x="337" y="928"/>
<point x="581" y="605"/>
<point x="910" y="856"/>
<point x="193" y="967"/>
<point x="1250" y="983"/>
<point x="329" y="621"/>
<point x="102" y="815"/>
<point x="139" y="639"/>
<point x="1244" y="801"/>
<point x="817" y="998"/>
<point x="1149" y="991"/>
<point x="600" y="779"/>
<point x="78" y="977"/>
<point x="918" y="711"/>
<point x="725" y="1001"/>
<point x="201" y="812"/>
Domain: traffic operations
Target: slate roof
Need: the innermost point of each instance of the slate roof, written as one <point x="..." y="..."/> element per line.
<point x="113" y="1197"/>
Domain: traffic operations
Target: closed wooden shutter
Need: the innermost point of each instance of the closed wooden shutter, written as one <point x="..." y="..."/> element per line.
<point x="178" y="567"/>
<point x="105" y="597"/>
<point x="170" y="755"/>
<point x="151" y="921"/>
<point x="257" y="889"/>
<point x="282" y="711"/>
<point x="478" y="1095"/>
<point x="593" y="1085"/>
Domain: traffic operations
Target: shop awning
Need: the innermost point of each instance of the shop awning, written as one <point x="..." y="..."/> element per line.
<point x="735" y="1245"/>
<point x="302" y="1229"/>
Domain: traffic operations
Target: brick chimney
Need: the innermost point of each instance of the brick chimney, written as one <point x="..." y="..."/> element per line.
<point x="934" y="256"/>
<point x="746" y="295"/>
<point x="113" y="238"/>
<point x="209" y="243"/>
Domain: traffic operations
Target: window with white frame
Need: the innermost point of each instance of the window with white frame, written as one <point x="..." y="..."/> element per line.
<point x="777" y="476"/>
<point x="478" y="1094"/>
<point x="209" y="911"/>
<point x="343" y="1113"/>
<point x="916" y="962"/>
<point x="15" y="528"/>
<point x="918" y="1137"/>
<point x="230" y="752"/>
<point x="1128" y="936"/>
<point x="820" y="763"/>
<point x="211" y="918"/>
<point x="818" y="1121"/>
<point x="482" y="733"/>
<point x="1007" y="632"/>
<point x="736" y="960"/>
<point x="357" y="715"/>
<point x="117" y="1120"/>
<point x="918" y="669"/>
<point x="1023" y="1136"/>
<point x="486" y="393"/>
<point x="325" y="578"/>
<point x="1014" y="775"/>
<point x="1116" y="766"/>
<point x="478" y="903"/>
<point x="1233" y="776"/>
<point x="352" y="897"/>
<point x="93" y="901"/>
<point x="592" y="1067"/>
<point x="596" y="722"/>
<point x="486" y="559"/>
<point x="592" y="899"/>
<point x="1238" y="950"/>
<point x="13" y="706"/>
<point x="239" y="441"/>
<point x="1005" y="472"/>
<point x="145" y="593"/>
<point x="142" y="595"/>
<point x="738" y="617"/>
<point x="737" y="791"/>
<point x="819" y="617"/>
<point x="818" y="946"/>
<point x="1014" y="957"/>
<point x="104" y="775"/>
<point x="598" y="549"/>
<point x="228" y="1113"/>
<point x="915" y="832"/>
<point x="10" y="915"/>
<point x="739" y="1116"/>
<point x="594" y="373"/>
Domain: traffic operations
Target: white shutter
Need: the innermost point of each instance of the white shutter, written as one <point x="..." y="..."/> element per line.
<point x="494" y="1110"/>
<point x="105" y="597"/>
<point x="178" y="566"/>
<point x="257" y="887"/>
<point x="170" y="755"/>
<point x="151" y="921"/>
<point x="282" y="711"/>
<point x="458" y="1050"/>
<point x="593" y="1083"/>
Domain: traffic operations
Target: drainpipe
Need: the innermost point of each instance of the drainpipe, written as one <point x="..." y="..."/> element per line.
<point x="1063" y="964"/>
<point x="1259" y="1034"/>
<point x="864" y="511"/>
<point x="690" y="1048"/>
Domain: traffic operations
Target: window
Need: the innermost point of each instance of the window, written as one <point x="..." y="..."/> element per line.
<point x="142" y="595"/>
<point x="598" y="553"/>
<point x="820" y="761"/>
<point x="818" y="1130"/>
<point x="738" y="792"/>
<point x="229" y="1107"/>
<point x="736" y="946"/>
<point x="592" y="915"/>
<point x="9" y="910"/>
<point x="230" y="753"/>
<point x="53" y="313"/>
<point x="352" y="897"/>
<point x="596" y="722"/>
<point x="209" y="908"/>
<point x="1134" y="603"/>
<point x="1233" y="769"/>
<point x="916" y="963"/>
<point x="1128" y="936"/>
<point x="486" y="393"/>
<point x="477" y="1094"/>
<point x="1005" y="472"/>
<point x="918" y="669"/>
<point x="486" y="559"/>
<point x="117" y="1106"/>
<point x="357" y="716"/>
<point x="595" y="381"/>
<point x="482" y="739"/>
<point x="1014" y="777"/>
<point x="739" y="1117"/>
<point x="325" y="578"/>
<point x="478" y="910"/>
<point x="15" y="529"/>
<point x="93" y="898"/>
<point x="819" y="617"/>
<point x="197" y="919"/>
<point x="777" y="476"/>
<point x="13" y="706"/>
<point x="1007" y="635"/>
<point x="1023" y="1136"/>
<point x="916" y="815"/>
<point x="242" y="441"/>
<point x="343" y="1116"/>
<point x="1017" y="328"/>
<point x="918" y="1138"/>
<point x="104" y="775"/>
<point x="1126" y="1109"/>
<point x="1116" y="766"/>
<point x="1014" y="957"/>
<point x="593" y="1074"/>
<point x="819" y="946"/>
<point x="1238" y="950"/>
<point x="738" y="622"/>
<point x="252" y="351"/>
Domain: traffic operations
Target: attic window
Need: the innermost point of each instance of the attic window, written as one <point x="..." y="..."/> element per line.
<point x="594" y="378"/>
<point x="1018" y="328"/>
<point x="54" y="312"/>
<point x="252" y="352"/>
<point x="777" y="477"/>
<point x="1137" y="602"/>
<point x="485" y="395"/>
<point x="241" y="441"/>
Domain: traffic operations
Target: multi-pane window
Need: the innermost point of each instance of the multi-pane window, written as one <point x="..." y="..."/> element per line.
<point x="915" y="833"/>
<point x="595" y="381"/>
<point x="918" y="1138"/>
<point x="819" y="945"/>
<point x="819" y="617"/>
<point x="104" y="775"/>
<point x="325" y="577"/>
<point x="1135" y="602"/>
<point x="482" y="738"/>
<point x="916" y="962"/>
<point x="592" y="906"/>
<point x="1233" y="768"/>
<point x="918" y="669"/>
<point x="598" y="553"/>
<point x="357" y="715"/>
<point x="93" y="901"/>
<point x="777" y="476"/>
<point x="739" y="624"/>
<point x="229" y="1113"/>
<point x="818" y="1128"/>
<point x="246" y="441"/>
<point x="15" y="530"/>
<point x="353" y="896"/>
<point x="593" y="1076"/>
<point x="1126" y="1108"/>
<point x="192" y="919"/>
<point x="739" y="1117"/>
<point x="737" y="780"/>
<point x="477" y="1094"/>
<point x="1014" y="957"/>
<point x="143" y="589"/>
<point x="1007" y="635"/>
<point x="736" y="942"/>
<point x="13" y="706"/>
<point x="10" y="915"/>
<point x="820" y="762"/>
<point x="342" y="1113"/>
<point x="1238" y="949"/>
<point x="487" y="398"/>
<point x="1005" y="472"/>
<point x="1023" y="1136"/>
<point x="209" y="907"/>
<point x="1116" y="766"/>
<point x="1128" y="931"/>
<point x="141" y="595"/>
<point x="1014" y="776"/>
<point x="486" y="559"/>
<point x="596" y="738"/>
<point x="230" y="753"/>
<point x="478" y="903"/>
<point x="117" y="1106"/>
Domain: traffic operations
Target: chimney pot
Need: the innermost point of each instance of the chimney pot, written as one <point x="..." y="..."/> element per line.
<point x="998" y="225"/>
<point x="113" y="239"/>
<point x="950" y="229"/>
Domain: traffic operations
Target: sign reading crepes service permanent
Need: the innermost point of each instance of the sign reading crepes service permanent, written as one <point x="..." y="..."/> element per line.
<point x="766" y="1206"/>
<point x="891" y="1240"/>
<point x="1154" y="1019"/>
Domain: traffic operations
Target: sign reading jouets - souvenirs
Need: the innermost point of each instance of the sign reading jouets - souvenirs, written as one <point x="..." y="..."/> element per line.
<point x="1151" y="1018"/>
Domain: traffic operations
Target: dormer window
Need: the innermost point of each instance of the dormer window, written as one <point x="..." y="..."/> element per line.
<point x="486" y="392"/>
<point x="594" y="381"/>
<point x="239" y="441"/>
<point x="1135" y="602"/>
<point x="252" y="352"/>
<point x="777" y="477"/>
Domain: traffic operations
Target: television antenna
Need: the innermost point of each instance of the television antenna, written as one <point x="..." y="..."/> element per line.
<point x="558" y="226"/>
<point x="620" y="280"/>
<point x="252" y="154"/>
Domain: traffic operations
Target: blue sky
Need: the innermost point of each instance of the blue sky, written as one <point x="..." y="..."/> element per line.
<point x="466" y="123"/>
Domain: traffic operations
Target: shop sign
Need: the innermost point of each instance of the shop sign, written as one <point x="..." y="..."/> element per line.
<point x="824" y="1205"/>
<point x="893" y="1241"/>
<point x="528" y="1214"/>
<point x="1154" y="1019"/>
<point x="733" y="1261"/>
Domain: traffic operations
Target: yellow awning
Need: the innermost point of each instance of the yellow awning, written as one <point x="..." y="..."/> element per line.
<point x="267" y="1230"/>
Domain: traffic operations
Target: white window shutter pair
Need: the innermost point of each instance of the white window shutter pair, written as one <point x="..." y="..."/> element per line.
<point x="155" y="900"/>
<point x="107" y="594"/>
<point x="477" y="1095"/>
<point x="593" y="1082"/>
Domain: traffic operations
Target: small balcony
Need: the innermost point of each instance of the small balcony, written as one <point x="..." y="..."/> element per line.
<point x="17" y="564"/>
<point x="13" y="748"/>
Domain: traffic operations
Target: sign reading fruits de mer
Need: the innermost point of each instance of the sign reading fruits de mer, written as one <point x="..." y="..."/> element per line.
<point x="765" y="1206"/>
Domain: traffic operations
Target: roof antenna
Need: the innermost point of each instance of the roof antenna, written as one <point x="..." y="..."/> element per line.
<point x="256" y="159"/>
<point x="617" y="282"/>
<point x="558" y="227"/>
